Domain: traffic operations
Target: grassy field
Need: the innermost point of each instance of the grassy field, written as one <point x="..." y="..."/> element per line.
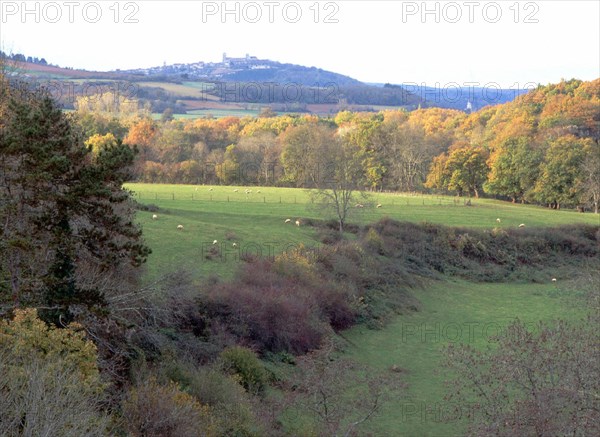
<point x="198" y="90"/>
<point x="453" y="311"/>
<point x="255" y="221"/>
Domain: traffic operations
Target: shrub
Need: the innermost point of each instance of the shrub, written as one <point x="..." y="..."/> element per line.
<point x="145" y="207"/>
<point x="49" y="380"/>
<point x="268" y="310"/>
<point x="230" y="404"/>
<point x="329" y="236"/>
<point x="245" y="366"/>
<point x="27" y="337"/>
<point x="373" y="241"/>
<point x="155" y="410"/>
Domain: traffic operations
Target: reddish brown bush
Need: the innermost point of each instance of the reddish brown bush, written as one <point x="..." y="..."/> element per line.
<point x="279" y="306"/>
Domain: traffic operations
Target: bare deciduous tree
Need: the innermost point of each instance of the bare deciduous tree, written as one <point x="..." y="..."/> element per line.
<point x="339" y="181"/>
<point x="541" y="383"/>
<point x="323" y="386"/>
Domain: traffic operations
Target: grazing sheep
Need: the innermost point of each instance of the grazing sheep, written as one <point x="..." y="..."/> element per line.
<point x="154" y="217"/>
<point x="288" y="220"/>
<point x="180" y="227"/>
<point x="522" y="225"/>
<point x="215" y="242"/>
<point x="258" y="191"/>
<point x="297" y="222"/>
<point x="379" y="205"/>
<point x="196" y="189"/>
<point x="236" y="190"/>
<point x="498" y="220"/>
<point x="234" y="244"/>
<point x="553" y="279"/>
<point x="359" y="205"/>
<point x="210" y="189"/>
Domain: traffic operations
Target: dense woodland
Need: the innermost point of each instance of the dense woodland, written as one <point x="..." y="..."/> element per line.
<point x="541" y="148"/>
<point x="88" y="348"/>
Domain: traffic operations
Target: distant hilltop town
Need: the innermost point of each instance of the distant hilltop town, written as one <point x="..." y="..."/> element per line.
<point x="201" y="69"/>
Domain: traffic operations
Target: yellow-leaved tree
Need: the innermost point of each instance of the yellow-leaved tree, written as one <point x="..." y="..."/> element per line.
<point x="49" y="380"/>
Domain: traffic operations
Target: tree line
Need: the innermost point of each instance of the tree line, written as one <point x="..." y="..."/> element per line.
<point x="541" y="148"/>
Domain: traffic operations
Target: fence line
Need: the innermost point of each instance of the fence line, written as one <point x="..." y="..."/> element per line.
<point x="398" y="200"/>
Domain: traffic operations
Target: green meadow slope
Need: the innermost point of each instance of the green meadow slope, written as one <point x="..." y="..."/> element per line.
<point x="256" y="221"/>
<point x="451" y="310"/>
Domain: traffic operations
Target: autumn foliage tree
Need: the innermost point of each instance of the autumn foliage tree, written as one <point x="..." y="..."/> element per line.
<point x="514" y="169"/>
<point x="561" y="178"/>
<point x="464" y="171"/>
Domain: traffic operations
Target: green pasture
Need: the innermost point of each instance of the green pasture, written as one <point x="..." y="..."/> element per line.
<point x="256" y="221"/>
<point x="180" y="90"/>
<point x="452" y="311"/>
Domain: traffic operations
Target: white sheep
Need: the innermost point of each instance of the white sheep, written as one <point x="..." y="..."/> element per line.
<point x="498" y="220"/>
<point x="215" y="242"/>
<point x="288" y="220"/>
<point x="553" y="279"/>
<point x="180" y="227"/>
<point x="379" y="205"/>
<point x="236" y="190"/>
<point x="297" y="222"/>
<point x="522" y="225"/>
<point x="154" y="217"/>
<point x="234" y="244"/>
<point x="258" y="191"/>
<point x="359" y="205"/>
<point x="210" y="189"/>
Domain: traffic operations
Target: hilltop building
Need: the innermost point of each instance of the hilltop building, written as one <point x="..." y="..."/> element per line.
<point x="232" y="62"/>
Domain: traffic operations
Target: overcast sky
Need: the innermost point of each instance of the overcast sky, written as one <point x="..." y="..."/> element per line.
<point x="505" y="42"/>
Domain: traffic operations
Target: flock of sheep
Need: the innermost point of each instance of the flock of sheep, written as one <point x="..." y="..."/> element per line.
<point x="522" y="225"/>
<point x="180" y="227"/>
<point x="298" y="223"/>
